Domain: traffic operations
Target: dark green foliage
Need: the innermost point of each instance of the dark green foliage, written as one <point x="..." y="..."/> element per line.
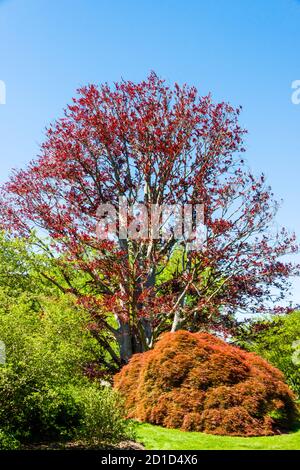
<point x="8" y="441"/>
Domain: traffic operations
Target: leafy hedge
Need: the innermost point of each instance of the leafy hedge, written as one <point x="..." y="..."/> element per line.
<point x="197" y="382"/>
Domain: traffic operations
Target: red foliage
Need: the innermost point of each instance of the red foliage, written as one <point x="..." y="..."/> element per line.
<point x="197" y="382"/>
<point x="160" y="145"/>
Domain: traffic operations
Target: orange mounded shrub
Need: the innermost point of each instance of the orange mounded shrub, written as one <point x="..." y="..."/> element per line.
<point x="197" y="382"/>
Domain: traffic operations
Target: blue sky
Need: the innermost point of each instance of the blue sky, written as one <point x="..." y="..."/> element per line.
<point x="242" y="51"/>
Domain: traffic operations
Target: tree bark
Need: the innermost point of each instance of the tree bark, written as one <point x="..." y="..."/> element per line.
<point x="132" y="341"/>
<point x="124" y="338"/>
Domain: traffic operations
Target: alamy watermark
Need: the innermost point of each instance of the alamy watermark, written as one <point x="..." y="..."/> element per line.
<point x="152" y="222"/>
<point x="296" y="93"/>
<point x="296" y="353"/>
<point x="2" y="92"/>
<point x="2" y="353"/>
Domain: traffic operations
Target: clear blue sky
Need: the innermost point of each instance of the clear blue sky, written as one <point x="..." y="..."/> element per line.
<point x="243" y="51"/>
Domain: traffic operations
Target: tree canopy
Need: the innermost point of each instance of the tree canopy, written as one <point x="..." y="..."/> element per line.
<point x="157" y="145"/>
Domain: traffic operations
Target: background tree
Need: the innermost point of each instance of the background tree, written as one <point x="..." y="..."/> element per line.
<point x="152" y="144"/>
<point x="277" y="340"/>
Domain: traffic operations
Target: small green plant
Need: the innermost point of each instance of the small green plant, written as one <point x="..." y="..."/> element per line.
<point x="103" y="416"/>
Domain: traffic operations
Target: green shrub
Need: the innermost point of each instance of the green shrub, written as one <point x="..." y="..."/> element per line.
<point x="8" y="442"/>
<point x="103" y="416"/>
<point x="44" y="394"/>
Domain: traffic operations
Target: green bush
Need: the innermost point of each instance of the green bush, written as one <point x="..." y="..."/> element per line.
<point x="276" y="340"/>
<point x="44" y="394"/>
<point x="8" y="442"/>
<point x="103" y="413"/>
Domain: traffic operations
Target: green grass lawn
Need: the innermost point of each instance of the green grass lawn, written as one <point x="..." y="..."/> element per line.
<point x="156" y="438"/>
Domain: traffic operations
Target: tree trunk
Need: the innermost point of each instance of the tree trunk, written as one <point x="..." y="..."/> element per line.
<point x="124" y="339"/>
<point x="176" y="322"/>
<point x="133" y="340"/>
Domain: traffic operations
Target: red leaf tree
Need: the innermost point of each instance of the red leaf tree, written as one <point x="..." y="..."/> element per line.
<point x="157" y="145"/>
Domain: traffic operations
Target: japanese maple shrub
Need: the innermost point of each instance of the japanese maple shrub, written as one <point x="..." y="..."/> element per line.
<point x="197" y="382"/>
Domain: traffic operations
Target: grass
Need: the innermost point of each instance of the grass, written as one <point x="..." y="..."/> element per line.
<point x="158" y="438"/>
